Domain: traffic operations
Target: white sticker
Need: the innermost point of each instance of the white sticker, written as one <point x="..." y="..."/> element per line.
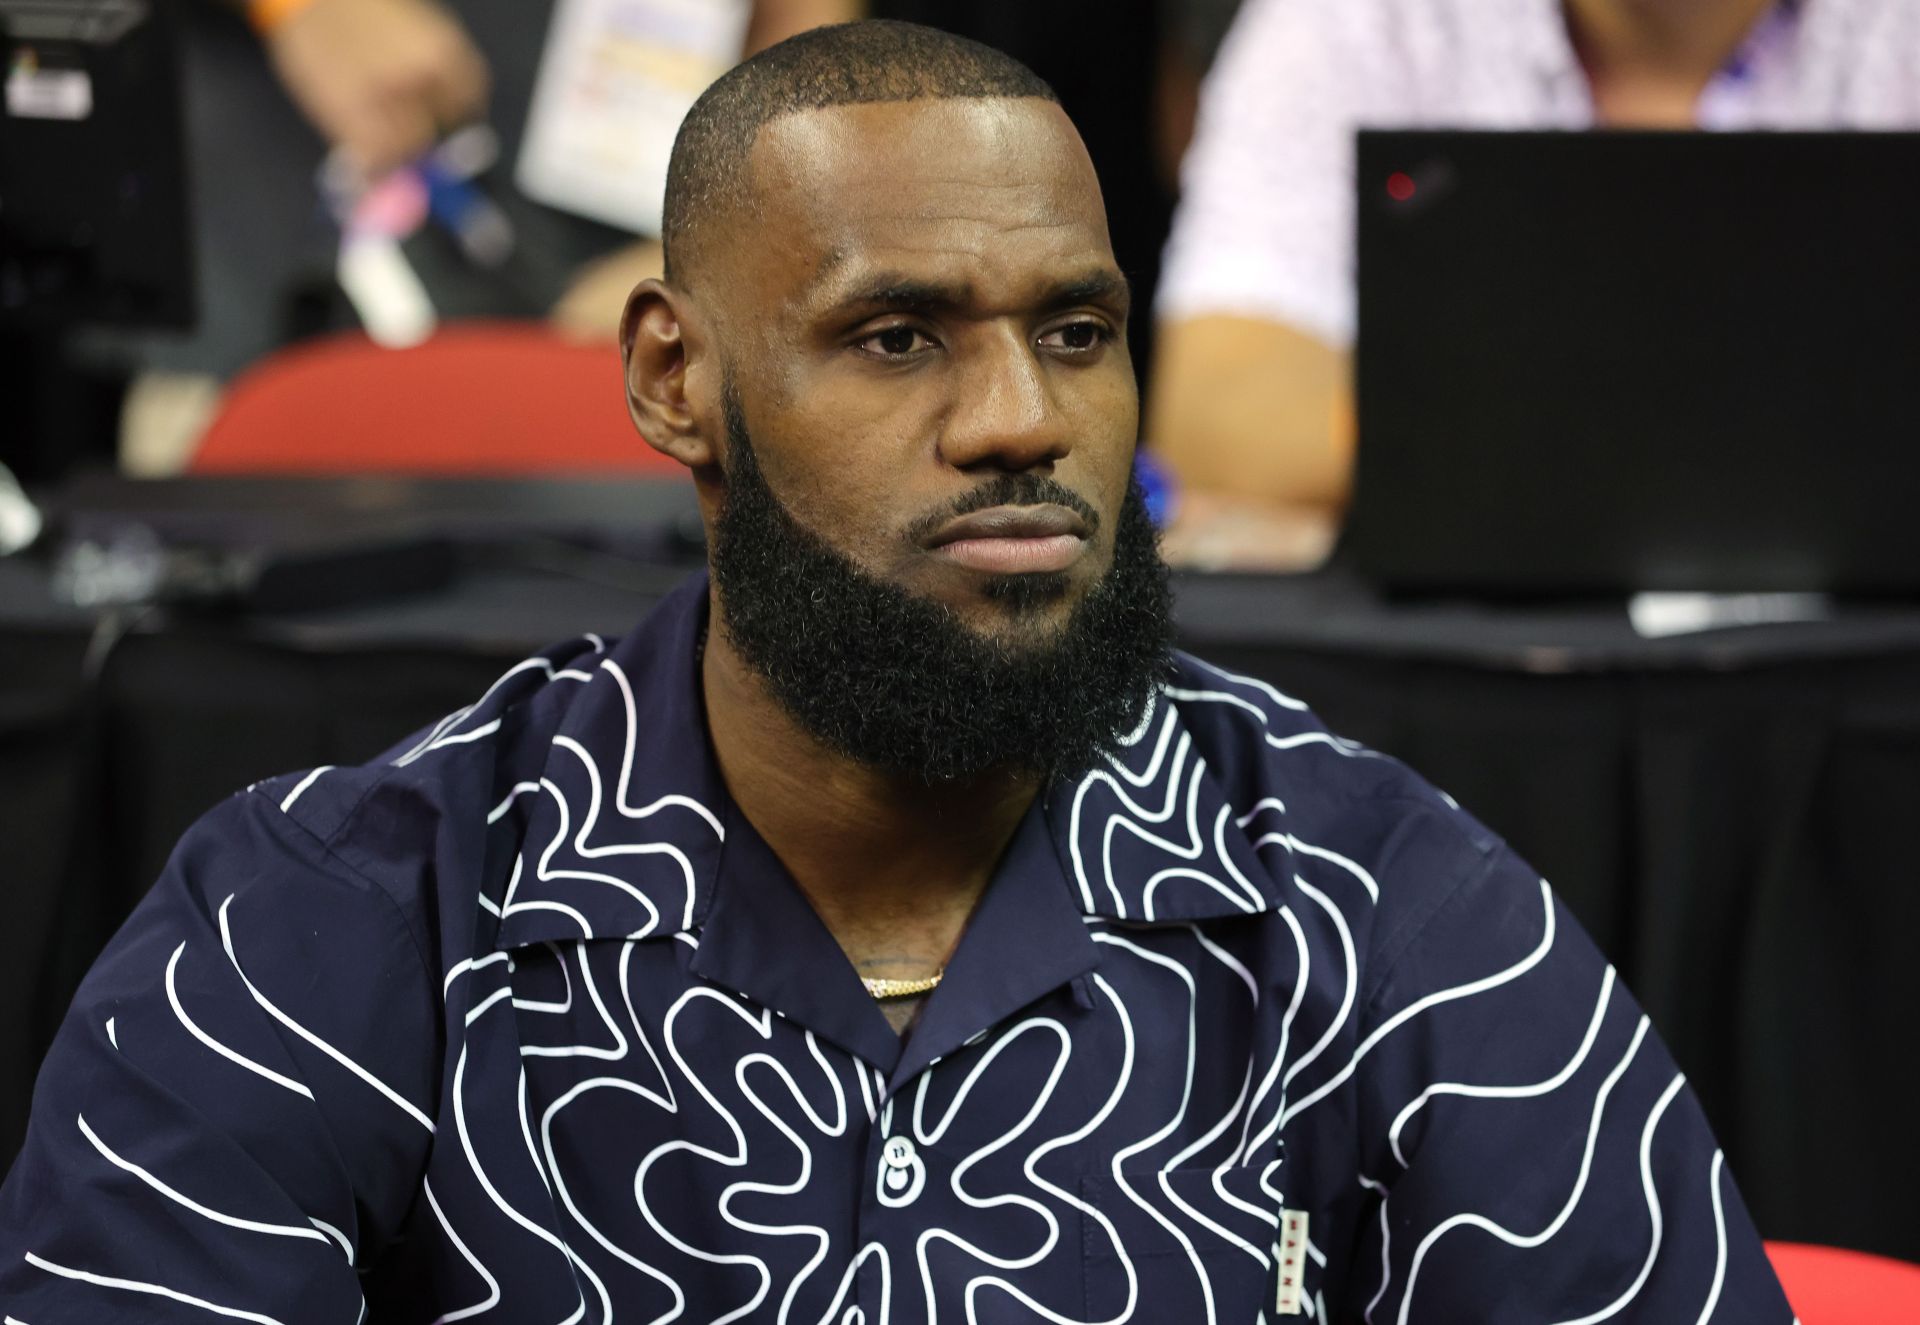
<point x="1290" y="1257"/>
<point x="48" y="94"/>
<point x="616" y="79"/>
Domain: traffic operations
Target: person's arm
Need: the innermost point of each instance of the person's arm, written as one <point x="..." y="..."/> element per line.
<point x="382" y="80"/>
<point x="1250" y="389"/>
<point x="1249" y="405"/>
<point x="589" y="309"/>
<point x="235" y="1115"/>
<point x="1528" y="1148"/>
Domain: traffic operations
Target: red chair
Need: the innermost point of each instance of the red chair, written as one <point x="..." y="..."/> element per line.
<point x="1828" y="1286"/>
<point x="478" y="398"/>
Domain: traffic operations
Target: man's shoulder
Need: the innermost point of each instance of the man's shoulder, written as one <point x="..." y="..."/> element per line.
<point x="416" y="814"/>
<point x="1366" y="854"/>
<point x="581" y="748"/>
<point x="1282" y="770"/>
<point x="452" y="764"/>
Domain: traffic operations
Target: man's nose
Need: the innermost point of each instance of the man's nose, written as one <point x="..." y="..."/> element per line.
<point x="1005" y="414"/>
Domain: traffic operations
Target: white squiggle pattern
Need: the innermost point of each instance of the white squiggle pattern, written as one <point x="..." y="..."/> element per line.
<point x="448" y="730"/>
<point x="1653" y="1210"/>
<point x="1429" y="1002"/>
<point x="231" y="1055"/>
<point x="301" y="786"/>
<point x="1719" y="1239"/>
<point x="492" y="1299"/>
<point x="406" y="1106"/>
<point x="1566" y="1211"/>
<point x="1552" y="1083"/>
<point x="205" y="1212"/>
<point x="151" y="1290"/>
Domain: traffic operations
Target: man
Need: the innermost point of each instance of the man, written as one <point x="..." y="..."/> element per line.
<point x="891" y="929"/>
<point x="1252" y="384"/>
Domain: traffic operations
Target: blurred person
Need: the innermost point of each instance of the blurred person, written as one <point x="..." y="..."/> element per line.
<point x="893" y="925"/>
<point x="591" y="306"/>
<point x="383" y="81"/>
<point x="379" y="81"/>
<point x="1251" y="389"/>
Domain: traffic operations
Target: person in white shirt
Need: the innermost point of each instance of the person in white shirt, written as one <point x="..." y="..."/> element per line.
<point x="1250" y="402"/>
<point x="383" y="80"/>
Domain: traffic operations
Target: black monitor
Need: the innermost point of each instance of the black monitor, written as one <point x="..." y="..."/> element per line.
<point x="93" y="196"/>
<point x="1606" y="362"/>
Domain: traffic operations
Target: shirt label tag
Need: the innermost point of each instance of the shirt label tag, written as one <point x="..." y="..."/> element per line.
<point x="1290" y="1256"/>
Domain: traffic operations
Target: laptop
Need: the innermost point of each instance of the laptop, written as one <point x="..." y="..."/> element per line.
<point x="1611" y="362"/>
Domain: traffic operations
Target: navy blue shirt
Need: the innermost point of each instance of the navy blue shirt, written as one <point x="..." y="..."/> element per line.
<point x="523" y="1023"/>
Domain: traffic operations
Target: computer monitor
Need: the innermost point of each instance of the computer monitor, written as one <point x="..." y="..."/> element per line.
<point x="93" y="198"/>
<point x="1620" y="361"/>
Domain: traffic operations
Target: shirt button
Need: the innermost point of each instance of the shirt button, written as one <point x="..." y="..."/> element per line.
<point x="898" y="1152"/>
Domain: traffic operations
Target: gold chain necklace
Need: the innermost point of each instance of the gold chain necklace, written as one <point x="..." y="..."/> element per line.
<point x="901" y="988"/>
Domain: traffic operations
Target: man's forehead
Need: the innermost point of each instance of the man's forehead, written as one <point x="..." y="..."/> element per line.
<point x="932" y="184"/>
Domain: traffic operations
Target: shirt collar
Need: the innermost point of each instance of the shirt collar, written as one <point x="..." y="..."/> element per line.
<point x="1153" y="837"/>
<point x="1024" y="940"/>
<point x="635" y="837"/>
<point x="626" y="838"/>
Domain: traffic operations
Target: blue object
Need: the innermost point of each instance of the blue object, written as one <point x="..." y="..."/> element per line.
<point x="1158" y="485"/>
<point x="453" y="199"/>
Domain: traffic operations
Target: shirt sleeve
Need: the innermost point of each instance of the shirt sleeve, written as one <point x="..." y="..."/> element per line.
<point x="1531" y="1151"/>
<point x="237" y="1111"/>
<point x="1266" y="208"/>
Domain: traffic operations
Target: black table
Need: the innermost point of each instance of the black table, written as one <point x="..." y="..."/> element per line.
<point x="1726" y="812"/>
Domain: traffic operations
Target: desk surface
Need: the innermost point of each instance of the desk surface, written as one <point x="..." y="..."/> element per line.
<point x="543" y="559"/>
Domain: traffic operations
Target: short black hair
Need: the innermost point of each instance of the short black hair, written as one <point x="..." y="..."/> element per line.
<point x="841" y="65"/>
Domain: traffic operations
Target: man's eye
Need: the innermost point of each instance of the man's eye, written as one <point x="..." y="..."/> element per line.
<point x="1077" y="336"/>
<point x="894" y="342"/>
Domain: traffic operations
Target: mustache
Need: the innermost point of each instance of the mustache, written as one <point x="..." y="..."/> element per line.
<point x="1008" y="490"/>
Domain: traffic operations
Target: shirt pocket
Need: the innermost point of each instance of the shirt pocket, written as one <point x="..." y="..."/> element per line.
<point x="1191" y="1244"/>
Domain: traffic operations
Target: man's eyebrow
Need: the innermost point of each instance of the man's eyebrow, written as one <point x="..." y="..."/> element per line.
<point x="1104" y="286"/>
<point x="899" y="292"/>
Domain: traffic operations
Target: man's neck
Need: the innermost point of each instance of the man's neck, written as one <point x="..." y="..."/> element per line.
<point x="892" y="866"/>
<point x="1649" y="60"/>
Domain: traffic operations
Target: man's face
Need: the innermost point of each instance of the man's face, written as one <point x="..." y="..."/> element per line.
<point x="925" y="301"/>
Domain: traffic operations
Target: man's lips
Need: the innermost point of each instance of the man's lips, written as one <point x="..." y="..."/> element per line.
<point x="1012" y="540"/>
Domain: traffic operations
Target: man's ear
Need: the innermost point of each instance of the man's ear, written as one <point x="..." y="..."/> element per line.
<point x="654" y="336"/>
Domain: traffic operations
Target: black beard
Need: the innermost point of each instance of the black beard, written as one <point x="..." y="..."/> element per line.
<point x="900" y="682"/>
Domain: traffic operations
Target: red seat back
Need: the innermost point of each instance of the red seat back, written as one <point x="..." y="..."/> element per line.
<point x="1828" y="1286"/>
<point x="477" y="398"/>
